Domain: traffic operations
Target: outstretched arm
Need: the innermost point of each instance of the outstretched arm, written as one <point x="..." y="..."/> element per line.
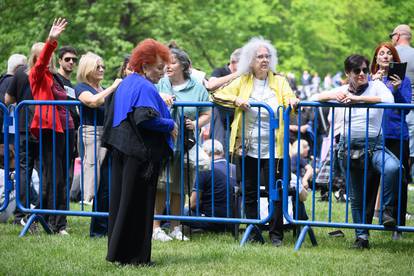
<point x="57" y="28"/>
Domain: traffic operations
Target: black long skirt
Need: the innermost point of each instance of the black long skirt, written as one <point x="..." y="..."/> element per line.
<point x="131" y="210"/>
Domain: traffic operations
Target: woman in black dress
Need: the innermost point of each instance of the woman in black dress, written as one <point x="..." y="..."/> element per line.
<point x="139" y="132"/>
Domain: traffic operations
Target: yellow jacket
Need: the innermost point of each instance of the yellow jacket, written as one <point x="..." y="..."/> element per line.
<point x="242" y="87"/>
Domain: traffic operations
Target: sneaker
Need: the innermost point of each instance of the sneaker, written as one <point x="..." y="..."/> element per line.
<point x="159" y="235"/>
<point x="361" y="244"/>
<point x="177" y="234"/>
<point x="85" y="202"/>
<point x="63" y="232"/>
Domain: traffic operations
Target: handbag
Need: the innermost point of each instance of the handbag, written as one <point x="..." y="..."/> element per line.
<point x="357" y="157"/>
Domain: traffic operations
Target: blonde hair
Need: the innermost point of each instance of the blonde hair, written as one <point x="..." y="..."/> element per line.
<point x="294" y="148"/>
<point x="34" y="54"/>
<point x="87" y="64"/>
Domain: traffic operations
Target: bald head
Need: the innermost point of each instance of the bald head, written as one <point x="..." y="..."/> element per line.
<point x="401" y="35"/>
<point x="403" y="30"/>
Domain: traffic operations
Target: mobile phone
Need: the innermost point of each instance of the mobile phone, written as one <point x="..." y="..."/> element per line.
<point x="397" y="68"/>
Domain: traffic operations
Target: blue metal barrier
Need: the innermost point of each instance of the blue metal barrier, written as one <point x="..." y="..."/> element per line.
<point x="197" y="216"/>
<point x="7" y="185"/>
<point x="37" y="213"/>
<point x="368" y="188"/>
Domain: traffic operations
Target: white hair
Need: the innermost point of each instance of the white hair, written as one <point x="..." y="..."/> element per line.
<point x="248" y="54"/>
<point x="208" y="147"/>
<point x="14" y="61"/>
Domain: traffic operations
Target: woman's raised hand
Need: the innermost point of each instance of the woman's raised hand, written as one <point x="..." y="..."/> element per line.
<point x="58" y="27"/>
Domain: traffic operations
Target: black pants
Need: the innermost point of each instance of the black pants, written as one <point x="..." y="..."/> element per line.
<point x="251" y="186"/>
<point x="99" y="225"/>
<point x="131" y="210"/>
<point x="28" y="154"/>
<point x="394" y="146"/>
<point x="55" y="184"/>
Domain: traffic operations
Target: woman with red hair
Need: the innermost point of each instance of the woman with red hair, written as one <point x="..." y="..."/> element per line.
<point x="386" y="53"/>
<point x="139" y="132"/>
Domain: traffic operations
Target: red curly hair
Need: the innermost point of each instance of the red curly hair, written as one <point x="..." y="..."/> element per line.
<point x="146" y="52"/>
<point x="388" y="45"/>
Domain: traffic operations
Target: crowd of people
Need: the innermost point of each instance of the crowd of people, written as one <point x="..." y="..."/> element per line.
<point x="133" y="125"/>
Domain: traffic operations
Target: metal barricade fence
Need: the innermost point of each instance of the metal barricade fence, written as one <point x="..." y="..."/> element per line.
<point x="50" y="155"/>
<point x="50" y="144"/>
<point x="198" y="215"/>
<point x="6" y="185"/>
<point x="374" y="174"/>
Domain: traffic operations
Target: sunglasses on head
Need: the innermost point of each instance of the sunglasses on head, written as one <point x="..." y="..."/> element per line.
<point x="357" y="71"/>
<point x="74" y="59"/>
<point x="392" y="35"/>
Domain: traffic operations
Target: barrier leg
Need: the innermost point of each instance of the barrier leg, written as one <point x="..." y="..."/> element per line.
<point x="248" y="231"/>
<point x="33" y="218"/>
<point x="301" y="237"/>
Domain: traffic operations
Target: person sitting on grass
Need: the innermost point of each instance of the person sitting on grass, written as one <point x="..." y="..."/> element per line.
<point x="305" y="169"/>
<point x="216" y="183"/>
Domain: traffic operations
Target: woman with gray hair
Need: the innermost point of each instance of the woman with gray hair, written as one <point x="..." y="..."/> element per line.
<point x="178" y="85"/>
<point x="258" y="82"/>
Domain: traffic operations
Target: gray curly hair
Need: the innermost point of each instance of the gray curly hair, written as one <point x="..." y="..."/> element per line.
<point x="248" y="53"/>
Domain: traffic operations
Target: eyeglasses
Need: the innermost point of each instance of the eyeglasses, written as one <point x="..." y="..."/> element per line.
<point x="392" y="35"/>
<point x="100" y="67"/>
<point x="261" y="57"/>
<point x="74" y="59"/>
<point x="357" y="71"/>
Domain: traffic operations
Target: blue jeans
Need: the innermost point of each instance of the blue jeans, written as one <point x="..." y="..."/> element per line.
<point x="390" y="177"/>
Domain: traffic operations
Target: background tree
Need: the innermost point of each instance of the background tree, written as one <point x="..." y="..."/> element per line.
<point x="312" y="35"/>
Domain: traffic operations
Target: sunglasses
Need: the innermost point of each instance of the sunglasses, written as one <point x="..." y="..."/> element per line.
<point x="100" y="67"/>
<point x="392" y="35"/>
<point x="74" y="59"/>
<point x="357" y="71"/>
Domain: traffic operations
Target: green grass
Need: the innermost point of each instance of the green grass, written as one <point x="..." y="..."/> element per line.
<point x="208" y="254"/>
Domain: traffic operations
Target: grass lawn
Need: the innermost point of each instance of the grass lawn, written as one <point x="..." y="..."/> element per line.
<point x="208" y="254"/>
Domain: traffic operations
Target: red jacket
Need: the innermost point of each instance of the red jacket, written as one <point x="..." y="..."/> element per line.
<point x="41" y="82"/>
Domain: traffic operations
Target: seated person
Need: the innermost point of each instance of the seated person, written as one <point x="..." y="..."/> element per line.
<point x="305" y="128"/>
<point x="305" y="169"/>
<point x="203" y="191"/>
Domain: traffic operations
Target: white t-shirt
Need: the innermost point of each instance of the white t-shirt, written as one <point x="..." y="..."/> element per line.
<point x="261" y="93"/>
<point x="359" y="115"/>
<point x="180" y="87"/>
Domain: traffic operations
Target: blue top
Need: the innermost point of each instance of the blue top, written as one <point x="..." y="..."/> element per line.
<point x="220" y="189"/>
<point x="192" y="92"/>
<point x="136" y="91"/>
<point x="88" y="113"/>
<point x="392" y="117"/>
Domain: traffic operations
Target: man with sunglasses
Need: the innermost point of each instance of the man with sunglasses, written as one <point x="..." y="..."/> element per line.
<point x="67" y="62"/>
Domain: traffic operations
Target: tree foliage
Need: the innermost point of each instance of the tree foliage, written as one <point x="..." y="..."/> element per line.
<point x="308" y="34"/>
